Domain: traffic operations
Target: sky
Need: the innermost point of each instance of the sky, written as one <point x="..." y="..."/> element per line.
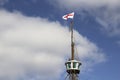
<point x="35" y="40"/>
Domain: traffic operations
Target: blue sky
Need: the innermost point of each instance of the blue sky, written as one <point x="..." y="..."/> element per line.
<point x="33" y="33"/>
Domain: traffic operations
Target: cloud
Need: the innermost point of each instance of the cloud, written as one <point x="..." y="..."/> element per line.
<point x="35" y="48"/>
<point x="106" y="12"/>
<point x="118" y="42"/>
<point x="110" y="21"/>
<point x="93" y="3"/>
<point x="2" y="2"/>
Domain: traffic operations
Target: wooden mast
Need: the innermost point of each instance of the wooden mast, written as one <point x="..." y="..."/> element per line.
<point x="72" y="65"/>
<point x="72" y="42"/>
<point x="72" y="47"/>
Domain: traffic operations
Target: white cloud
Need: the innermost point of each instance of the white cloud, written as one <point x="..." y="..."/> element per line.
<point x="110" y="21"/>
<point x="78" y="3"/>
<point x="2" y="2"/>
<point x="35" y="48"/>
<point x="118" y="42"/>
<point x="107" y="12"/>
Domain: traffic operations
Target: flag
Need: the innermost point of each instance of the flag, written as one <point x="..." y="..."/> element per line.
<point x="70" y="15"/>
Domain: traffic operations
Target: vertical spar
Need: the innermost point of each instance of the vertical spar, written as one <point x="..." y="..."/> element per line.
<point x="72" y="65"/>
<point x="72" y="42"/>
<point x="72" y="46"/>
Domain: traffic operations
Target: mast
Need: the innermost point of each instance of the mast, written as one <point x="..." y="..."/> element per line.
<point x="72" y="42"/>
<point x="72" y="48"/>
<point x="72" y="65"/>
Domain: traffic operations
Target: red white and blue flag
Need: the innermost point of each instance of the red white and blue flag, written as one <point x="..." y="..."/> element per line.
<point x="70" y="15"/>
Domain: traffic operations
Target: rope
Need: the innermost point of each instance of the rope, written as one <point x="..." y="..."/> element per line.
<point x="66" y="76"/>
